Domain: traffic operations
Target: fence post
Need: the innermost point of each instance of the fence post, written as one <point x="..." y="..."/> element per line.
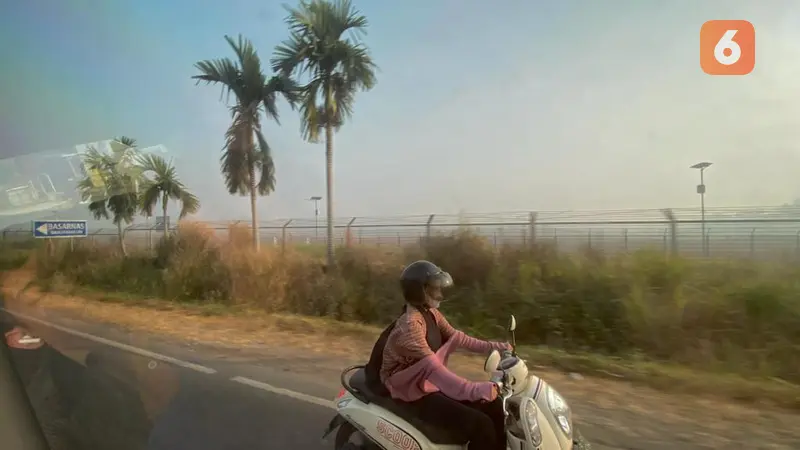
<point x="348" y="238"/>
<point x="707" y="248"/>
<point x="673" y="230"/>
<point x="625" y="239"/>
<point x="753" y="243"/>
<point x="92" y="235"/>
<point x="797" y="244"/>
<point x="428" y="228"/>
<point x="283" y="235"/>
<point x="532" y="230"/>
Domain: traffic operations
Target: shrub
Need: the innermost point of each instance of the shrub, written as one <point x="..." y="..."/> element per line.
<point x="13" y="259"/>
<point x="718" y="315"/>
<point x="14" y="253"/>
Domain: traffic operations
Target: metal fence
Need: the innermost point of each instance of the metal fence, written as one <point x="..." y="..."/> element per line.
<point x="759" y="233"/>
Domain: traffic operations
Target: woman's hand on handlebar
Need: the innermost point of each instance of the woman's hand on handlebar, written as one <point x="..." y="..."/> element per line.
<point x="500" y="381"/>
<point x="498" y="391"/>
<point x="499" y="346"/>
<point x="503" y="346"/>
<point x="501" y="389"/>
<point x="507" y="353"/>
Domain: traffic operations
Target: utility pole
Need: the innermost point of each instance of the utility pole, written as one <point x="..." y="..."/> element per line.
<point x="701" y="189"/>
<point x="316" y="200"/>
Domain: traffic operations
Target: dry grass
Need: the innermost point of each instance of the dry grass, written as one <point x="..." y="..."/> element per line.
<point x="256" y="331"/>
<point x="624" y="411"/>
<point x="729" y="326"/>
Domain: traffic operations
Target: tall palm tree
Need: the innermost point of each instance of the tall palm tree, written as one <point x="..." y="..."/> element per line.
<point x="324" y="46"/>
<point x="111" y="185"/>
<point x="246" y="150"/>
<point x="161" y="184"/>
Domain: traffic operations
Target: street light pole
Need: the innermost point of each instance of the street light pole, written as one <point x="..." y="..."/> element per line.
<point x="316" y="200"/>
<point x="701" y="189"/>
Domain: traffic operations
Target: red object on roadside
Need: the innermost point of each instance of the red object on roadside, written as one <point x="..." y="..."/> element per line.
<point x="21" y="339"/>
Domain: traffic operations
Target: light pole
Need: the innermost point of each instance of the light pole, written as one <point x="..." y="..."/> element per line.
<point x="316" y="200"/>
<point x="701" y="189"/>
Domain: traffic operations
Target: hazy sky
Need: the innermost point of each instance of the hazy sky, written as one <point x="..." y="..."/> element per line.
<point x="480" y="106"/>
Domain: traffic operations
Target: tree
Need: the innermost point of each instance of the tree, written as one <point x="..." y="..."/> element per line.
<point x="111" y="185"/>
<point x="161" y="184"/>
<point x="246" y="150"/>
<point x="324" y="46"/>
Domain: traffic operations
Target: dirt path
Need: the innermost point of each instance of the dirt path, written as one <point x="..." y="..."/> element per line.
<point x="613" y="414"/>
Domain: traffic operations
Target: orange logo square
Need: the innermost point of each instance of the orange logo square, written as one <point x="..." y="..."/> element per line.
<point x="727" y="47"/>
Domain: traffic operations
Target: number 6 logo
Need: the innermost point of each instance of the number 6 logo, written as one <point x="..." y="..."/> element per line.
<point x="727" y="47"/>
<point x="727" y="51"/>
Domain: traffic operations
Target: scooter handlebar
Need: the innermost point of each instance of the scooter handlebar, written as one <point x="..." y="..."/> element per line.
<point x="501" y="380"/>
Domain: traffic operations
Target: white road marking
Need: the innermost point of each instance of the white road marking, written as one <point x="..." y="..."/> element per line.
<point x="157" y="356"/>
<point x="281" y="391"/>
<point x="118" y="345"/>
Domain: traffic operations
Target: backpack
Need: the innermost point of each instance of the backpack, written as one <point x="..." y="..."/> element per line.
<point x="372" y="370"/>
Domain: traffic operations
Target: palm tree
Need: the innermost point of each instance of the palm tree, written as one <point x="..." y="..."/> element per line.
<point x="111" y="185"/>
<point x="162" y="185"/>
<point x="246" y="150"/>
<point x="324" y="45"/>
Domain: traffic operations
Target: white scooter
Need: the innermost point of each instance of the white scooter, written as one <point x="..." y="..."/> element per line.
<point x="537" y="417"/>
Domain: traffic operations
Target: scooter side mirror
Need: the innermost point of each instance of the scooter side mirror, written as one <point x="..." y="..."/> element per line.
<point x="492" y="361"/>
<point x="512" y="325"/>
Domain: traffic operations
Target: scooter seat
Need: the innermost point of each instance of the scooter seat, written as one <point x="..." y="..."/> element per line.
<point x="358" y="381"/>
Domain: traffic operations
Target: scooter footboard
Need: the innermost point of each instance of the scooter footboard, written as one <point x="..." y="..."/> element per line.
<point x="386" y="428"/>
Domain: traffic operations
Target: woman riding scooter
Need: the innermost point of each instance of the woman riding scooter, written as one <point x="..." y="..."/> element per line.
<point x="414" y="373"/>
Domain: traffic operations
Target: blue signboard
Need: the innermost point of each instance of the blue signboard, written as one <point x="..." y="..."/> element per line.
<point x="60" y="228"/>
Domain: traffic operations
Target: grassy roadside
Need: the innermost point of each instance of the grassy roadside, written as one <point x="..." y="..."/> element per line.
<point x="14" y="255"/>
<point x="320" y="332"/>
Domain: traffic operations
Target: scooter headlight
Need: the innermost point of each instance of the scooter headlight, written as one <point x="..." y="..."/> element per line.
<point x="530" y="422"/>
<point x="558" y="406"/>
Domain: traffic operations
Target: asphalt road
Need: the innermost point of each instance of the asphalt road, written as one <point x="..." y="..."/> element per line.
<point x="92" y="395"/>
<point x="212" y="413"/>
<point x="96" y="386"/>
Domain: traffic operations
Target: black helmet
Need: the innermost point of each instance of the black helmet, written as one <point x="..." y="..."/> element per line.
<point x="422" y="281"/>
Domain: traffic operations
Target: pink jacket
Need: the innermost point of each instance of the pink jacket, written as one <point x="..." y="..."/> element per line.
<point x="411" y="370"/>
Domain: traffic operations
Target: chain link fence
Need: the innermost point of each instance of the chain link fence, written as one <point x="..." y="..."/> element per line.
<point x="758" y="233"/>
